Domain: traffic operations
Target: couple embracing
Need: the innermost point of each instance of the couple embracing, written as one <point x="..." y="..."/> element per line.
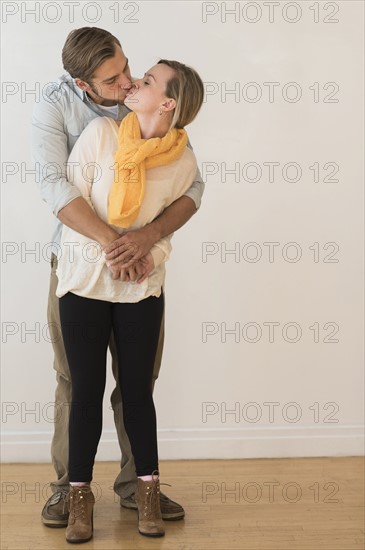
<point x="118" y="172"/>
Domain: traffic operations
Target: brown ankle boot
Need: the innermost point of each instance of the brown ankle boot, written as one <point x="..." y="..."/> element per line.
<point x="147" y="498"/>
<point x="80" y="521"/>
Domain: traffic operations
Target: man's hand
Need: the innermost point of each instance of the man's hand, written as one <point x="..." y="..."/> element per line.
<point x="139" y="271"/>
<point x="131" y="247"/>
<point x="79" y="215"/>
<point x="134" y="245"/>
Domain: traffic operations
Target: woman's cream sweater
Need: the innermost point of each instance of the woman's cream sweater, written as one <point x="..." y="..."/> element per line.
<point x="81" y="264"/>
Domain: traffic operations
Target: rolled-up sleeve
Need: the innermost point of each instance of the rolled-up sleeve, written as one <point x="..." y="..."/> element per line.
<point x="161" y="250"/>
<point x="196" y="189"/>
<point x="50" y="154"/>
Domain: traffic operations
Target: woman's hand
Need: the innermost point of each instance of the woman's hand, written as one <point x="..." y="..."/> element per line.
<point x="115" y="272"/>
<point x="139" y="271"/>
<point x="145" y="266"/>
<point x="129" y="274"/>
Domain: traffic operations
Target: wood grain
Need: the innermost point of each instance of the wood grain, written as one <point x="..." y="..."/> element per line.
<point x="281" y="504"/>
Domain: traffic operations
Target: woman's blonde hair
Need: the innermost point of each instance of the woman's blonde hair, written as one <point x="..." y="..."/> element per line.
<point x="187" y="88"/>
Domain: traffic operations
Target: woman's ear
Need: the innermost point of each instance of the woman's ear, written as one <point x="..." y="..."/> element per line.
<point x="169" y="105"/>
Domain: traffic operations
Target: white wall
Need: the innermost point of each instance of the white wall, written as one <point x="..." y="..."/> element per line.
<point x="317" y="381"/>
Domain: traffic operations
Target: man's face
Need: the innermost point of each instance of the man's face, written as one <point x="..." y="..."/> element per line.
<point x="110" y="81"/>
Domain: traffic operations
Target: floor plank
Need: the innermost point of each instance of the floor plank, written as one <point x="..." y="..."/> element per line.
<point x="281" y="504"/>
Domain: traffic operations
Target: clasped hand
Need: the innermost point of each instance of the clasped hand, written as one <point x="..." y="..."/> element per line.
<point x="129" y="258"/>
<point x="137" y="272"/>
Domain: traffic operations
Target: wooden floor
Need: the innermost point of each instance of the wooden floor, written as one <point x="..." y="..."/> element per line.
<point x="281" y="504"/>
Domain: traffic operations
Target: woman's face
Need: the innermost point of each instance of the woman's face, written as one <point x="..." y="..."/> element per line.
<point x="147" y="95"/>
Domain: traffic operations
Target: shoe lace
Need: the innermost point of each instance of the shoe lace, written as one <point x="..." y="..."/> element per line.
<point x="62" y="494"/>
<point x="76" y="498"/>
<point x="152" y="498"/>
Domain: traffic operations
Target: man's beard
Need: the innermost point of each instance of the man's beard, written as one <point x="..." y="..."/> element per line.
<point x="104" y="99"/>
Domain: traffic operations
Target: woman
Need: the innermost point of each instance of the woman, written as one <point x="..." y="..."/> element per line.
<point x="153" y="167"/>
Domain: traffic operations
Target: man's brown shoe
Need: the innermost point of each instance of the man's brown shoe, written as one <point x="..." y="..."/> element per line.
<point x="80" y="521"/>
<point x="55" y="511"/>
<point x="150" y="522"/>
<point x="170" y="510"/>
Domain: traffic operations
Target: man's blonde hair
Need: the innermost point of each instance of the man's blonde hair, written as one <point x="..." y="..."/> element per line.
<point x="86" y="49"/>
<point x="187" y="88"/>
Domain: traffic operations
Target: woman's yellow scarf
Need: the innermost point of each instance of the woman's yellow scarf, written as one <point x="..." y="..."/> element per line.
<point x="133" y="157"/>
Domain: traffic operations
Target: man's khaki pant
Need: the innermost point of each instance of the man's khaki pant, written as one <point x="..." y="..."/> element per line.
<point x="126" y="481"/>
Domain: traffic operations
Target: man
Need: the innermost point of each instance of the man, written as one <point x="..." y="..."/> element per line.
<point x="98" y="77"/>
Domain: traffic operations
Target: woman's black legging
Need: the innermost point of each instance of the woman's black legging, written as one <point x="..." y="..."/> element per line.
<point x="86" y="327"/>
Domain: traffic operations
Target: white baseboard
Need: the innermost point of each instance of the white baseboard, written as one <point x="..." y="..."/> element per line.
<point x="208" y="443"/>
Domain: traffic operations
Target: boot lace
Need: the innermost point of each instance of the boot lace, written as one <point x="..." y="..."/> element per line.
<point x="77" y="503"/>
<point x="152" y="498"/>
